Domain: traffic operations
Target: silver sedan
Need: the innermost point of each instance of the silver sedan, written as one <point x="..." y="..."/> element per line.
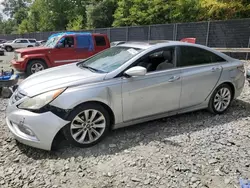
<point x="124" y="85"/>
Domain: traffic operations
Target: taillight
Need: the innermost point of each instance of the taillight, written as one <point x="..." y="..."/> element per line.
<point x="241" y="68"/>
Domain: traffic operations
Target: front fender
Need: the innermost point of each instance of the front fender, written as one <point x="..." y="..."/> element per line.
<point x="37" y="56"/>
<point x="109" y="95"/>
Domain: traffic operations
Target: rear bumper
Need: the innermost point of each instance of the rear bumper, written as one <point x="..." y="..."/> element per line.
<point x="18" y="65"/>
<point x="239" y="83"/>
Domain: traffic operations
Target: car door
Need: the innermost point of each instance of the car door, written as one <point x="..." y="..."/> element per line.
<point x="64" y="54"/>
<point x="17" y="44"/>
<point x="24" y="43"/>
<point x="156" y="92"/>
<point x="84" y="46"/>
<point x="200" y="72"/>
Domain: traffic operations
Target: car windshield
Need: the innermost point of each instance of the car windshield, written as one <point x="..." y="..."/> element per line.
<point x="110" y="59"/>
<point x="52" y="41"/>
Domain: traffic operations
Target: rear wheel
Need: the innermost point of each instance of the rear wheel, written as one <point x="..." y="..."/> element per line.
<point x="89" y="125"/>
<point x="8" y="48"/>
<point x="221" y="99"/>
<point x="35" y="66"/>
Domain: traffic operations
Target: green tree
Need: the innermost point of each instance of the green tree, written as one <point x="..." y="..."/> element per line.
<point x="54" y="15"/>
<point x="100" y="14"/>
<point x="8" y="27"/>
<point x="221" y="9"/>
<point x="185" y="11"/>
<point x="141" y="12"/>
<point x="17" y="11"/>
<point x="75" y="24"/>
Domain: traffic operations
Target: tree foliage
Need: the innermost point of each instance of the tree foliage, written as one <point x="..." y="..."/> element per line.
<point x="100" y="13"/>
<point x="55" y="15"/>
<point x="141" y="12"/>
<point x="75" y="24"/>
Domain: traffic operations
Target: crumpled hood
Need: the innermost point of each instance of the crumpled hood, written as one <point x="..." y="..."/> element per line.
<point x="58" y="77"/>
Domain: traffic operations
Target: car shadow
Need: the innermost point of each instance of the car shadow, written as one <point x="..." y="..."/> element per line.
<point x="160" y="130"/>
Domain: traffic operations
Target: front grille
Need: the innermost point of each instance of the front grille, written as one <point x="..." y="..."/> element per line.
<point x="17" y="96"/>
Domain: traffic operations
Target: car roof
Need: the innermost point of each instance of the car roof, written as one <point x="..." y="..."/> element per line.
<point x="159" y="43"/>
<point x="69" y="33"/>
<point x="150" y="43"/>
<point x="21" y="39"/>
<point x="165" y="43"/>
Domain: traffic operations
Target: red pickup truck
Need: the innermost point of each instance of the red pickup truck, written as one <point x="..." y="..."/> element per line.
<point x="60" y="49"/>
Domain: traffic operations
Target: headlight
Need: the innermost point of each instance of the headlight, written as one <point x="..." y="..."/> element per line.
<point x="19" y="57"/>
<point x="41" y="100"/>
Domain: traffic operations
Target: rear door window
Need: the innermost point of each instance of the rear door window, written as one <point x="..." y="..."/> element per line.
<point x="24" y="41"/>
<point x="100" y="41"/>
<point x="32" y="41"/>
<point x="190" y="56"/>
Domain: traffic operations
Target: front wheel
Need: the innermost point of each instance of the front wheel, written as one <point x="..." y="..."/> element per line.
<point x="35" y="66"/>
<point x="89" y="125"/>
<point x="221" y="99"/>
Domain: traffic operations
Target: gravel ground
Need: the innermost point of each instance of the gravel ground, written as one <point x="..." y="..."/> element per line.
<point x="191" y="150"/>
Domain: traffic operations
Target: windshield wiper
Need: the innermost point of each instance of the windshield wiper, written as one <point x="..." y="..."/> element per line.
<point x="92" y="69"/>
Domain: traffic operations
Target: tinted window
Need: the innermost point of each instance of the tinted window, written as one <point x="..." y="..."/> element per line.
<point x="24" y="41"/>
<point x="196" y="56"/>
<point x="69" y="42"/>
<point x="32" y="41"/>
<point x="100" y="41"/>
<point x="158" y="60"/>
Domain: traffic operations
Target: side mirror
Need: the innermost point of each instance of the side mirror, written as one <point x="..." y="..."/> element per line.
<point x="59" y="45"/>
<point x="136" y="71"/>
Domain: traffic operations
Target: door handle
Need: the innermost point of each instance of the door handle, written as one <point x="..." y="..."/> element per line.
<point x="174" y="78"/>
<point x="214" y="69"/>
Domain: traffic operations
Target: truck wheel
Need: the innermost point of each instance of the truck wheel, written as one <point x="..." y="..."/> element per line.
<point x="35" y="66"/>
<point x="8" y="48"/>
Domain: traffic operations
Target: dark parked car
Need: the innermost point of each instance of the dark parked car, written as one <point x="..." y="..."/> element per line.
<point x="2" y="41"/>
<point x="1" y="51"/>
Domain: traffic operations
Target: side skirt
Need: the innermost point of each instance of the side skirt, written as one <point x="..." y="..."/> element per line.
<point x="162" y="115"/>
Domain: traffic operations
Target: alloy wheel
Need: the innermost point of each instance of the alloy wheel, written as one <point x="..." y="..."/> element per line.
<point x="36" y="67"/>
<point x="222" y="99"/>
<point x="88" y="126"/>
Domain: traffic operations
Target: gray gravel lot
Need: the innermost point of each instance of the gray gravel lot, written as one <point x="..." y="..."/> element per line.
<point x="4" y="60"/>
<point x="191" y="150"/>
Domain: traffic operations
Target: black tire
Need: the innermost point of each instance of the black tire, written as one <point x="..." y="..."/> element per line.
<point x="6" y="93"/>
<point x="8" y="48"/>
<point x="30" y="46"/>
<point x="78" y="110"/>
<point x="211" y="106"/>
<point x="29" y="70"/>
